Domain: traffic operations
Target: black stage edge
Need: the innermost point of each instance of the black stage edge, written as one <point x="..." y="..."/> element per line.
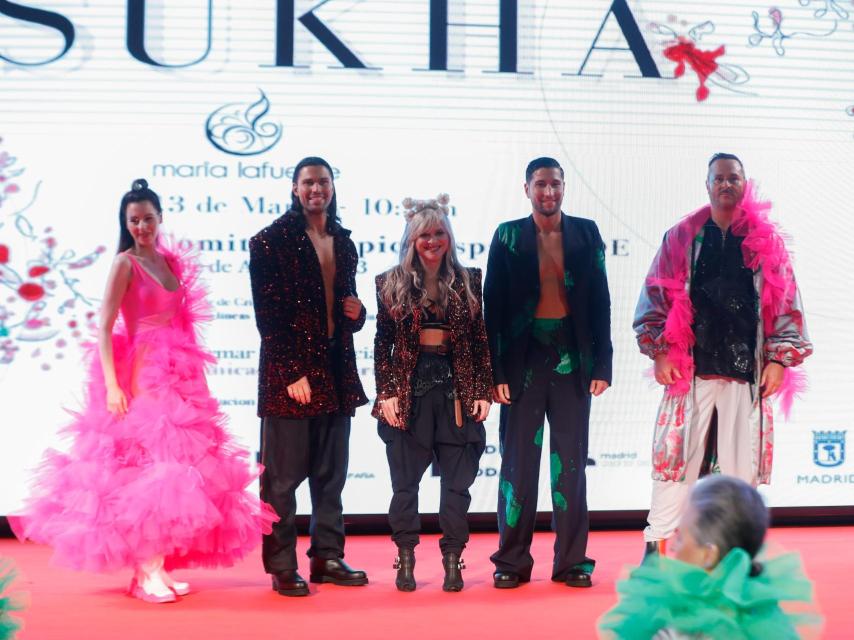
<point x="599" y="520"/>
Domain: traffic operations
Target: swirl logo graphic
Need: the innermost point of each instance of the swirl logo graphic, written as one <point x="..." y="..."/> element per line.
<point x="239" y="129"/>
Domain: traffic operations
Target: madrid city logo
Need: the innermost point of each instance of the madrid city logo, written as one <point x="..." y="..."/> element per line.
<point x="828" y="448"/>
<point x="242" y="129"/>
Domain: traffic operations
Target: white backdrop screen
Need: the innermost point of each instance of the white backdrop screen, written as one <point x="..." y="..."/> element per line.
<point x="215" y="101"/>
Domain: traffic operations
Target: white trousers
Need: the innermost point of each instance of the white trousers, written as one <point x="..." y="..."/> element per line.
<point x="734" y="403"/>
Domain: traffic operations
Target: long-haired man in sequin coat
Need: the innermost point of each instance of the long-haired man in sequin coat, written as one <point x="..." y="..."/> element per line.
<point x="303" y="271"/>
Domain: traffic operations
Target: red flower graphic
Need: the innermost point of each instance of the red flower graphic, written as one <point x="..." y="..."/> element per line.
<point x="31" y="291"/>
<point x="702" y="62"/>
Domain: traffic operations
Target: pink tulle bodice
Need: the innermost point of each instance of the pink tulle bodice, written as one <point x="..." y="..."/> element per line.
<point x="147" y="304"/>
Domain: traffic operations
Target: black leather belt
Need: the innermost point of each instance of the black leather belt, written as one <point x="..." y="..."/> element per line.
<point x="440" y="349"/>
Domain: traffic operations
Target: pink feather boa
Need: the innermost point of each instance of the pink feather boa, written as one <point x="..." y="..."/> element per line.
<point x="764" y="248"/>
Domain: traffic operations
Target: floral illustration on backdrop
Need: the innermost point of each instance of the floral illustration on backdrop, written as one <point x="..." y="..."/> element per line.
<point x="827" y="7"/>
<point x="43" y="308"/>
<point x="778" y="35"/>
<point x="680" y="45"/>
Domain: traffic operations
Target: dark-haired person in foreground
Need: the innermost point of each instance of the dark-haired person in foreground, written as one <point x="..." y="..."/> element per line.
<point x="152" y="481"/>
<point x="303" y="271"/>
<point x="548" y="319"/>
<point x="721" y="316"/>
<point x="715" y="588"/>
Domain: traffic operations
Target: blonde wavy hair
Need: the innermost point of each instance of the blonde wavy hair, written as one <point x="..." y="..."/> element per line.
<point x="403" y="290"/>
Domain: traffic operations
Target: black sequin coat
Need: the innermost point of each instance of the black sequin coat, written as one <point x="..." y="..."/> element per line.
<point x="290" y="312"/>
<point x="396" y="351"/>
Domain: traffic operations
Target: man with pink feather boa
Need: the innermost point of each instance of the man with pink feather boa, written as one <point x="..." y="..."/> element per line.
<point x="721" y="316"/>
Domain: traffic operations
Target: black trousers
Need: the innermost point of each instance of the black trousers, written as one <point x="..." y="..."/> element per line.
<point x="291" y="451"/>
<point x="553" y="389"/>
<point x="432" y="429"/>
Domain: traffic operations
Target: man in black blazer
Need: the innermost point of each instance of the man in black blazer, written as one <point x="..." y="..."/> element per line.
<point x="548" y="319"/>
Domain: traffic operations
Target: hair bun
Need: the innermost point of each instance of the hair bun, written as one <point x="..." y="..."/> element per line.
<point x="139" y="184"/>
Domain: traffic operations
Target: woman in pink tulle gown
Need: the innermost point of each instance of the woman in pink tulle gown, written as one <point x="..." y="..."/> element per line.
<point x="152" y="481"/>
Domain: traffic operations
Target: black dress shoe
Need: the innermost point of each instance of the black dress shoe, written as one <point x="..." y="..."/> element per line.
<point x="578" y="578"/>
<point x="507" y="580"/>
<point x="405" y="565"/>
<point x="453" y="564"/>
<point x="336" y="571"/>
<point x="289" y="583"/>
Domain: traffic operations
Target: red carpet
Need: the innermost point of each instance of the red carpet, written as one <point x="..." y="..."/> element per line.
<point x="238" y="602"/>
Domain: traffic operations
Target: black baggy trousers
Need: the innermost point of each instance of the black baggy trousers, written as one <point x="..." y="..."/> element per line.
<point x="552" y="389"/>
<point x="293" y="450"/>
<point x="433" y="430"/>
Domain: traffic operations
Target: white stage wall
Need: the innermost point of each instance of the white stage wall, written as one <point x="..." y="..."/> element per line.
<point x="413" y="97"/>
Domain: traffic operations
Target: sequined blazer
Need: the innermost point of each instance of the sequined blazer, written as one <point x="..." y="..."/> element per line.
<point x="290" y="313"/>
<point x="396" y="351"/>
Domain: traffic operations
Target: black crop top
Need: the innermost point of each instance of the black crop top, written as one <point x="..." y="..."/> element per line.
<point x="434" y="318"/>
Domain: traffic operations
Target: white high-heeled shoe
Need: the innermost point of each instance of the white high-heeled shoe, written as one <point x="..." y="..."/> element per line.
<point x="148" y="585"/>
<point x="179" y="588"/>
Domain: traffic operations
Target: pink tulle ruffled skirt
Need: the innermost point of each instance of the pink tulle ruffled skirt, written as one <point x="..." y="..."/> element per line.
<point x="163" y="480"/>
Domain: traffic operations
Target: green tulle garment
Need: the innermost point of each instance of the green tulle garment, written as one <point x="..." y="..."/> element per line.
<point x="724" y="604"/>
<point x="8" y="624"/>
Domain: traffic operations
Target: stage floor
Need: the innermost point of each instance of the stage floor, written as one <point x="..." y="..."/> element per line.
<point x="238" y="602"/>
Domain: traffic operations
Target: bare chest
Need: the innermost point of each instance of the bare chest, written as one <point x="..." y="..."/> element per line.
<point x="325" y="250"/>
<point x="550" y="255"/>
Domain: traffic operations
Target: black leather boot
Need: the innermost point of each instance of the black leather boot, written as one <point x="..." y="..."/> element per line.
<point x="336" y="571"/>
<point x="405" y="565"/>
<point x="453" y="564"/>
<point x="289" y="583"/>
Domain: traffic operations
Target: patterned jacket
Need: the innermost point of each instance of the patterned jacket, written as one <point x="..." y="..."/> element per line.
<point x="663" y="324"/>
<point x="396" y="351"/>
<point x="512" y="291"/>
<point x="290" y="312"/>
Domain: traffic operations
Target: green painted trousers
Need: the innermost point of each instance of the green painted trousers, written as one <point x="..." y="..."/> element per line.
<point x="553" y="390"/>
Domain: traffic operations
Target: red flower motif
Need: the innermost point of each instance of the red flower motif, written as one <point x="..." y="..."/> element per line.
<point x="702" y="62"/>
<point x="11" y="188"/>
<point x="4" y="254"/>
<point x="31" y="291"/>
<point x="38" y="270"/>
